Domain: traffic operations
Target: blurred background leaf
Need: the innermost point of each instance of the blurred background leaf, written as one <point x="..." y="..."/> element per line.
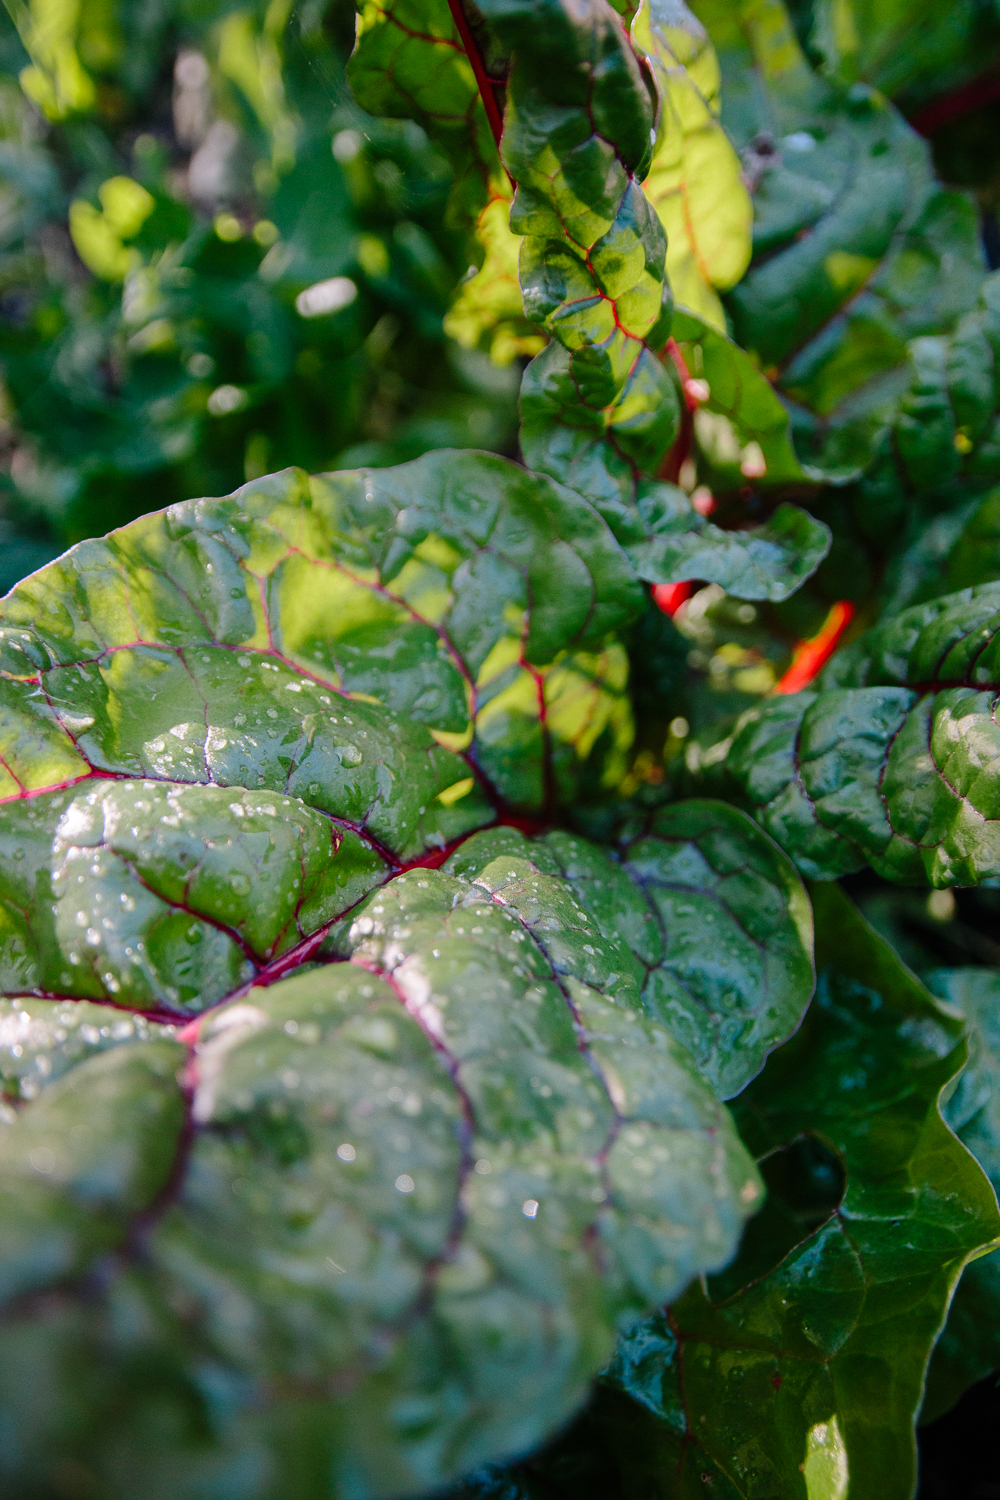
<point x="212" y="264"/>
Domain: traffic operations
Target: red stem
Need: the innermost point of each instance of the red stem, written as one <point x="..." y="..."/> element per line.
<point x="811" y="656"/>
<point x="673" y="463"/>
<point x="482" y="77"/>
<point x="670" y="596"/>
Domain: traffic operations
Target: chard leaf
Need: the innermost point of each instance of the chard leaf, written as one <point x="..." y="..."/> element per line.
<point x="740" y="409"/>
<point x="599" y="409"/>
<point x="577" y="143"/>
<point x="429" y="1138"/>
<point x="765" y="562"/>
<point x="804" y="1363"/>
<point x="695" y="181"/>
<point x="410" y="62"/>
<point x="416" y="1183"/>
<point x="913" y="49"/>
<point x="857" y="250"/>
<point x="893" y="763"/>
<point x="969" y="1347"/>
<point x="94" y="1149"/>
<point x="703" y="923"/>
<point x="975" y="554"/>
<point x="299" y="636"/>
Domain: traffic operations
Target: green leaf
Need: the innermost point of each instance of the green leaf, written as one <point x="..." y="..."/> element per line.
<point x="740" y="409"/>
<point x="694" y="182"/>
<point x="410" y="61"/>
<point x="437" y="1134"/>
<point x="699" y="915"/>
<point x="969" y="1347"/>
<point x="975" y="556"/>
<point x="856" y="250"/>
<point x="913" y="49"/>
<point x="728" y="971"/>
<point x="893" y="765"/>
<point x="96" y="1146"/>
<point x="498" y="589"/>
<point x="577" y="132"/>
<point x="413" y="1202"/>
<point x="766" y="562"/>
<point x="800" y="1370"/>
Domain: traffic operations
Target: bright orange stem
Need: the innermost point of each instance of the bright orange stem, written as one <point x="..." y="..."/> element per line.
<point x="810" y="657"/>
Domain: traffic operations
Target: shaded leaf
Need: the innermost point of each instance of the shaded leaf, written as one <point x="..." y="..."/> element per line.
<point x="766" y="562"/>
<point x="809" y="1353"/>
<point x="740" y="408"/>
<point x="410" y="61"/>
<point x="969" y="1347"/>
<point x="856" y="250"/>
<point x="913" y="49"/>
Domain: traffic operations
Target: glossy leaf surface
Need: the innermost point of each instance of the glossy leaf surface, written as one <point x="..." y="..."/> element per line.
<point x="969" y="1347"/>
<point x="809" y="1353"/>
<point x="702" y="918"/>
<point x="417" y="1180"/>
<point x="894" y="764"/>
<point x="433" y="1134"/>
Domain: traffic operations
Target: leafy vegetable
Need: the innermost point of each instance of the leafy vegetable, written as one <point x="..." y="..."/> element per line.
<point x="385" y="1050"/>
<point x="694" y="182"/>
<point x="910" y="49"/>
<point x="820" y="1332"/>
<point x="892" y="765"/>
<point x="405" y="1165"/>
<point x="967" y="1349"/>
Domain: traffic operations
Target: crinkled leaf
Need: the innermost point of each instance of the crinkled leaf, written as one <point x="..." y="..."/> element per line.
<point x="412" y="1201"/>
<point x="802" y="1366"/>
<point x="665" y="538"/>
<point x="699" y="915"/>
<point x="742" y="421"/>
<point x="397" y="1206"/>
<point x="577" y="132"/>
<point x="969" y="1348"/>
<point x="896" y="763"/>
<point x="856" y="249"/>
<point x="225" y="641"/>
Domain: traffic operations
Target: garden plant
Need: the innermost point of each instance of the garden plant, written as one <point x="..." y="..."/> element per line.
<point x="499" y="993"/>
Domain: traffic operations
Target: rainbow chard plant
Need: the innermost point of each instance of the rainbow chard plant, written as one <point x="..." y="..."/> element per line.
<point x="417" y="1025"/>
